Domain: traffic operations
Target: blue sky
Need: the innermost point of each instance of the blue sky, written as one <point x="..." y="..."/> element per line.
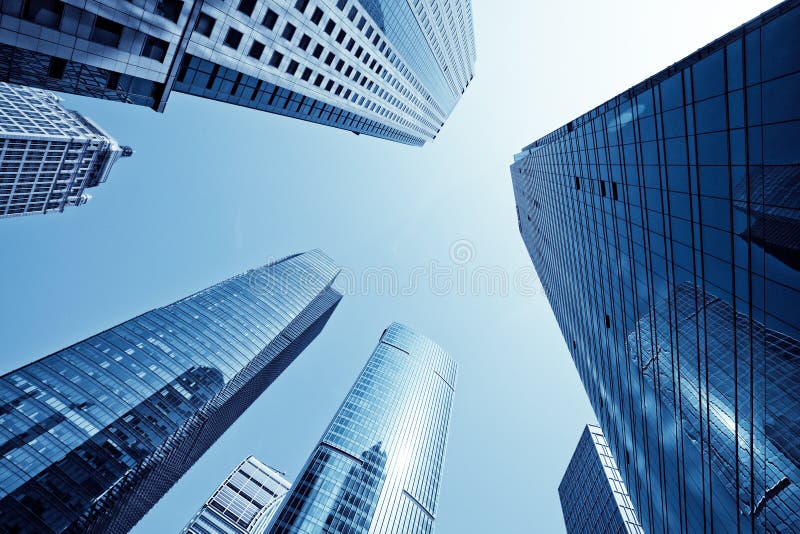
<point x="214" y="190"/>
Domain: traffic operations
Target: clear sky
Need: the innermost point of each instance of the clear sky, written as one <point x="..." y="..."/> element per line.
<point x="214" y="190"/>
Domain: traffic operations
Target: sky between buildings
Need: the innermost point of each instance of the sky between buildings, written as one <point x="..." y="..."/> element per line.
<point x="214" y="190"/>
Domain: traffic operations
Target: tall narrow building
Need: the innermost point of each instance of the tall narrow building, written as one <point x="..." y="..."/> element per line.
<point x="379" y="464"/>
<point x="49" y="155"/>
<point x="93" y="435"/>
<point x="593" y="496"/>
<point x="664" y="226"/>
<point x="387" y="68"/>
<point x="244" y="503"/>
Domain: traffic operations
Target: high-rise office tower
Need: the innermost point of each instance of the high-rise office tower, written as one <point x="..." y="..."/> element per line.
<point x="93" y="435"/>
<point x="378" y="466"/>
<point x="664" y="226"/>
<point x="593" y="496"/>
<point x="49" y="155"/>
<point x="244" y="503"/>
<point x="388" y="68"/>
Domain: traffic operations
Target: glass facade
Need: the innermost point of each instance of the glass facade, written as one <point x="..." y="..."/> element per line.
<point x="664" y="227"/>
<point x="593" y="495"/>
<point x="244" y="503"/>
<point x="386" y="68"/>
<point x="93" y="435"/>
<point x="49" y="155"/>
<point x="378" y="466"/>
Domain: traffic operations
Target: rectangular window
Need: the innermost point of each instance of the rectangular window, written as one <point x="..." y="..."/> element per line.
<point x="44" y="12"/>
<point x="318" y="51"/>
<point x="301" y="5"/>
<point x="205" y="24"/>
<point x="247" y="6"/>
<point x="57" y="67"/>
<point x="270" y="19"/>
<point x="256" y="49"/>
<point x="329" y="27"/>
<point x="106" y="32"/>
<point x="288" y="31"/>
<point x="602" y="188"/>
<point x="577" y="183"/>
<point x="170" y="9"/>
<point x="329" y="59"/>
<point x="341" y="3"/>
<point x="608" y="321"/>
<point x="275" y="60"/>
<point x="341" y="36"/>
<point x="307" y="74"/>
<point x="233" y="38"/>
<point x="352" y="14"/>
<point x="292" y="68"/>
<point x="155" y="48"/>
<point x="614" y="190"/>
<point x="305" y="40"/>
<point x="318" y="81"/>
<point x="317" y="16"/>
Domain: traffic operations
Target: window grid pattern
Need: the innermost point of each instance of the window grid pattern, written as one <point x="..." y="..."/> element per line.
<point x="244" y="502"/>
<point x="663" y="225"/>
<point x="393" y="69"/>
<point x="593" y="496"/>
<point x="378" y="466"/>
<point x="93" y="435"/>
<point x="48" y="155"/>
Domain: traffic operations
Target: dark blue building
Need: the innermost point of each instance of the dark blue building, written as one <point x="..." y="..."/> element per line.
<point x="389" y="69"/>
<point x="93" y="435"/>
<point x="665" y="227"/>
<point x="593" y="496"/>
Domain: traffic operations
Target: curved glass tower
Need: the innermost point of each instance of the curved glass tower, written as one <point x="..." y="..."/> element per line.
<point x="378" y="466"/>
<point x="93" y="435"/>
<point x="392" y="69"/>
<point x="665" y="226"/>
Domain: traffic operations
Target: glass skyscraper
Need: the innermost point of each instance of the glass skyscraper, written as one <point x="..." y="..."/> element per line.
<point x="379" y="464"/>
<point x="593" y="496"/>
<point x="665" y="227"/>
<point x="244" y="503"/>
<point x="49" y="155"/>
<point x="93" y="435"/>
<point x="388" y="68"/>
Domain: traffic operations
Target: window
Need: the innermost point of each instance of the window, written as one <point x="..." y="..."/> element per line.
<point x="577" y="183"/>
<point x="155" y="48"/>
<point x="57" y="67"/>
<point x="205" y="25"/>
<point x="317" y="16"/>
<point x="256" y="49"/>
<point x="275" y="60"/>
<point x="292" y="68"/>
<point x="306" y="74"/>
<point x="170" y="9"/>
<point x="341" y="36"/>
<point x="602" y="188"/>
<point x="301" y="5"/>
<point x="305" y="40"/>
<point x="341" y="3"/>
<point x="247" y="6"/>
<point x="352" y="14"/>
<point x="350" y="44"/>
<point x="43" y="12"/>
<point x="608" y="321"/>
<point x="233" y="38"/>
<point x="318" y="51"/>
<point x="106" y="32"/>
<point x="329" y="59"/>
<point x="288" y="31"/>
<point x="270" y="19"/>
<point x="318" y="81"/>
<point x="329" y="27"/>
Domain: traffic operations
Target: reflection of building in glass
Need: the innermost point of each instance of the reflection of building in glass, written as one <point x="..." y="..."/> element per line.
<point x="93" y="435"/>
<point x="378" y="466"/>
<point x="593" y="495"/>
<point x="664" y="226"/>
<point x="49" y="155"/>
<point x="244" y="503"/>
<point x="384" y="68"/>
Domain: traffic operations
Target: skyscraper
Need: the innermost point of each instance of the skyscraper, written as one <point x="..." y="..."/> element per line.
<point x="378" y="466"/>
<point x="593" y="496"/>
<point x="664" y="226"/>
<point x="49" y="155"/>
<point x="386" y="68"/>
<point x="93" y="435"/>
<point x="244" y="503"/>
